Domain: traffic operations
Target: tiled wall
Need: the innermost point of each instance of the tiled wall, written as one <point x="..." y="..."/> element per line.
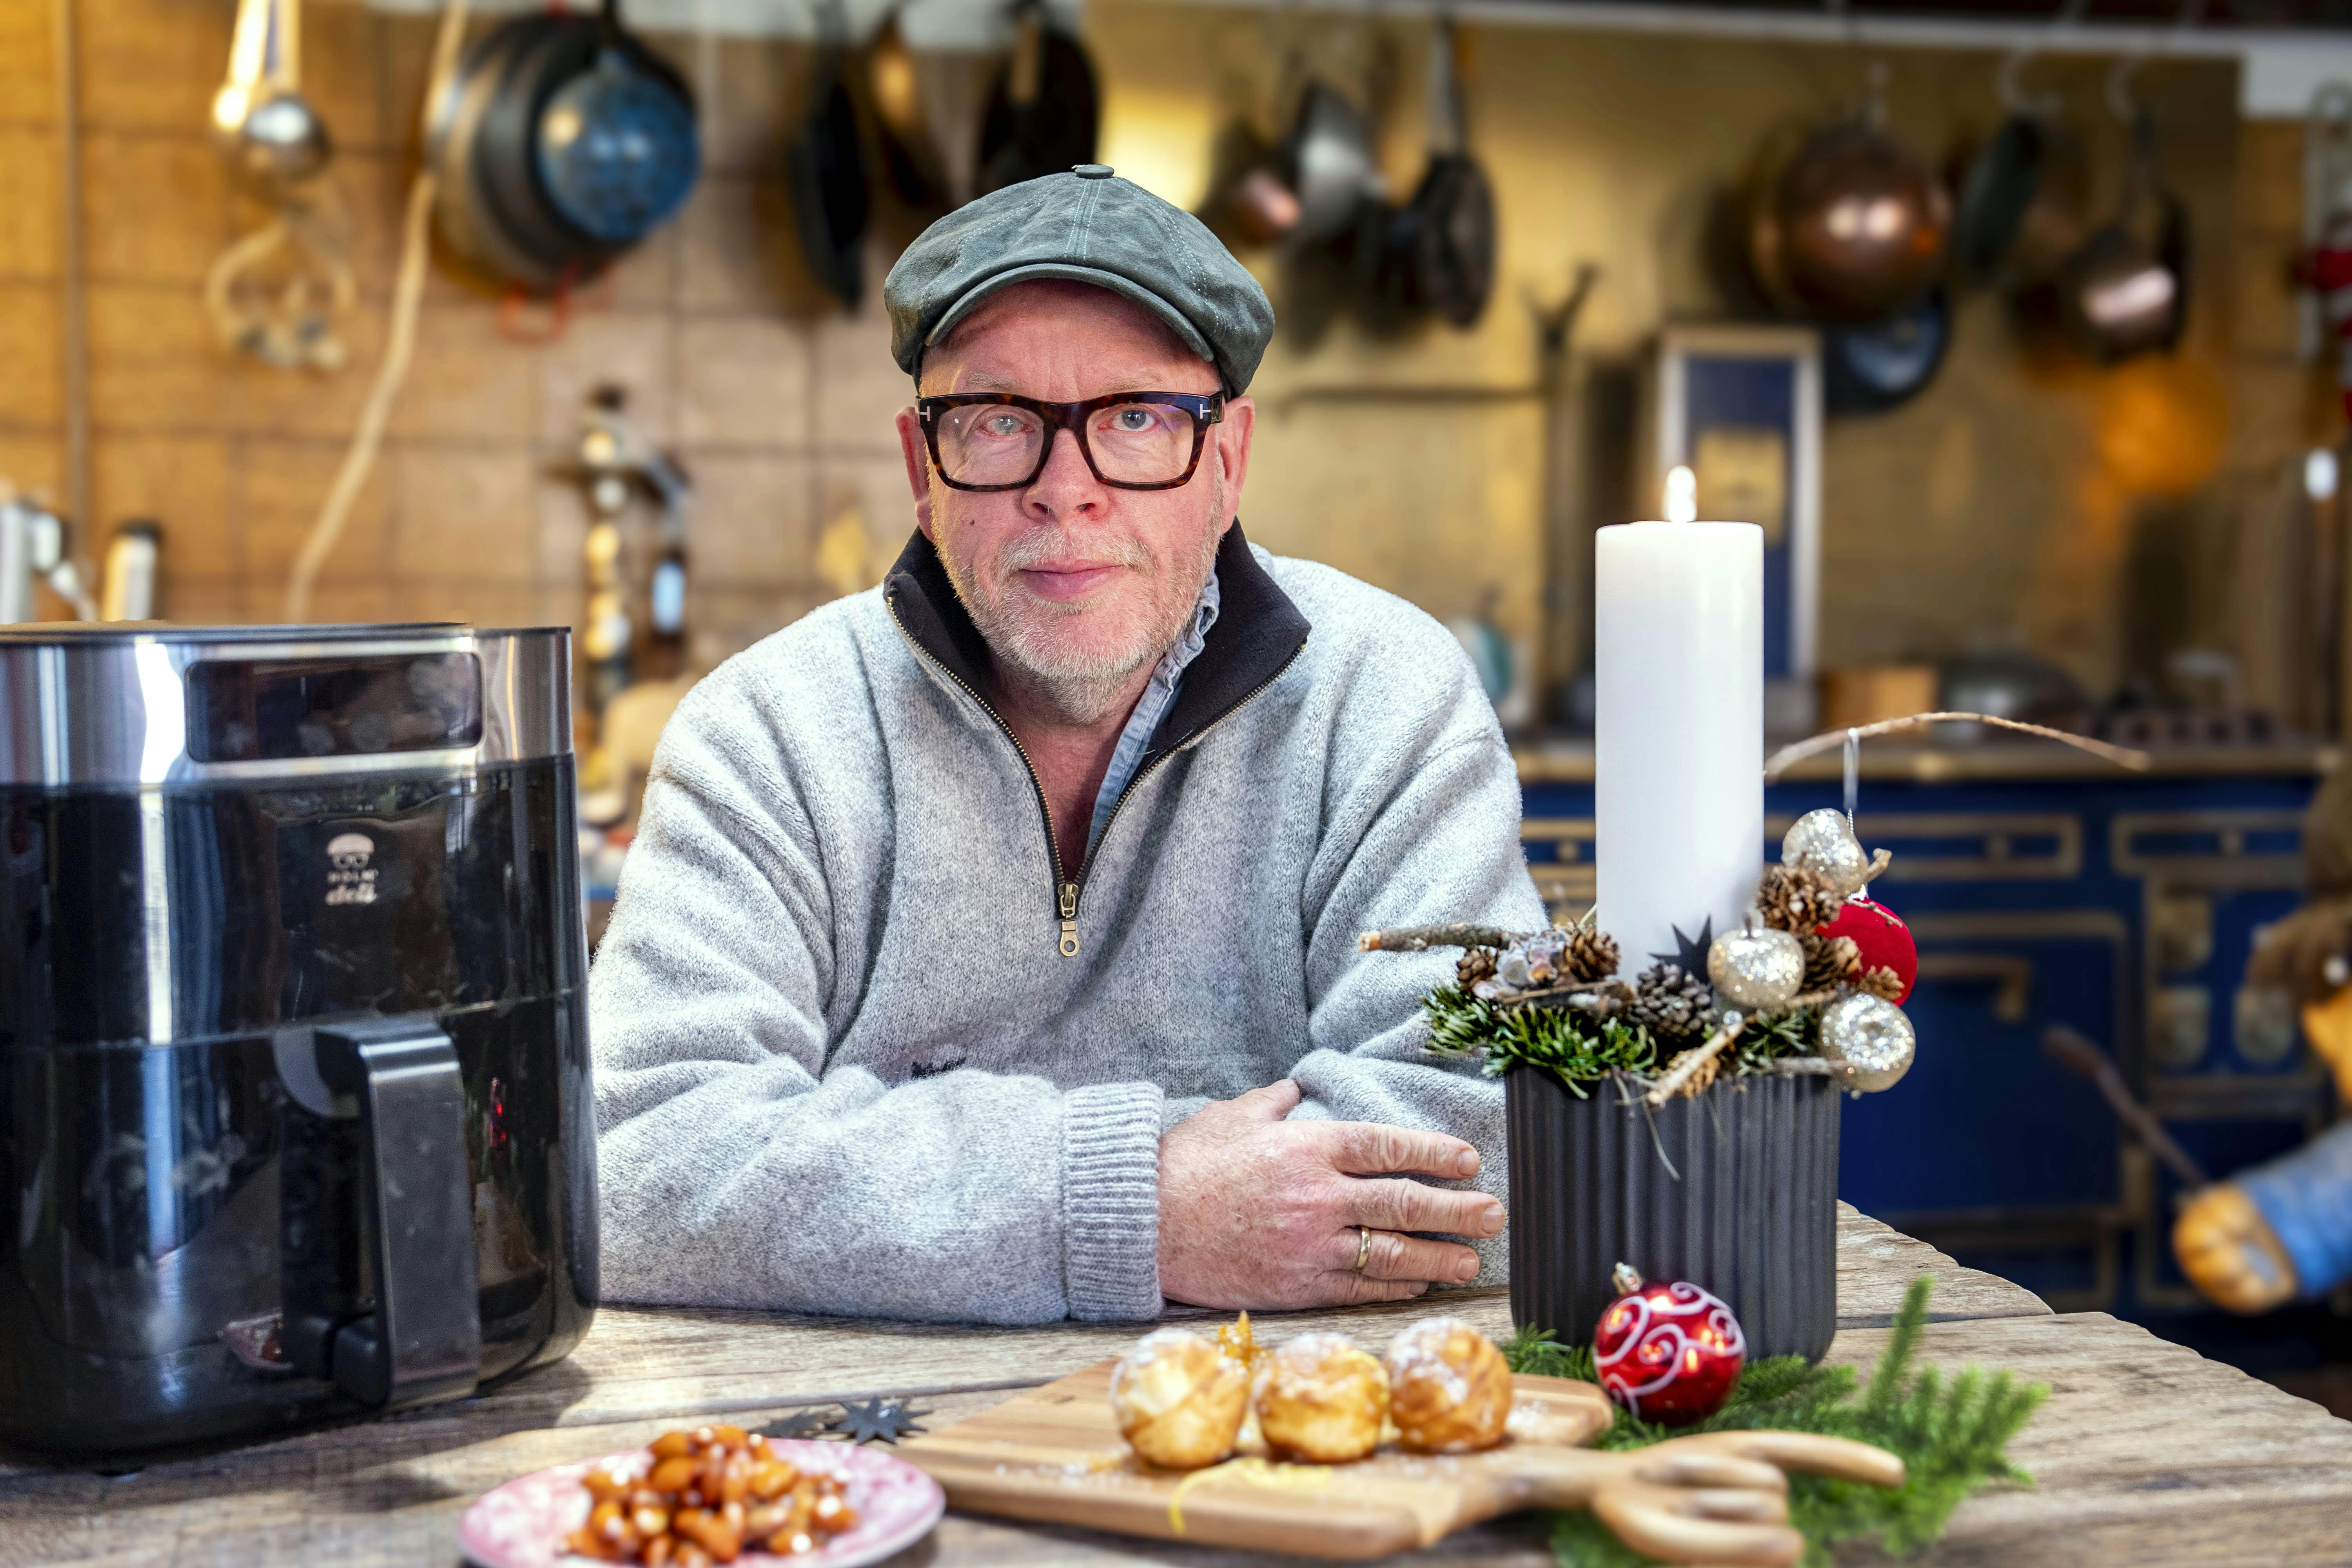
<point x="1980" y="505"/>
<point x="780" y="410"/>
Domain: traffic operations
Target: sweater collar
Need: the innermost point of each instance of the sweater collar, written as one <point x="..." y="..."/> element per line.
<point x="1256" y="633"/>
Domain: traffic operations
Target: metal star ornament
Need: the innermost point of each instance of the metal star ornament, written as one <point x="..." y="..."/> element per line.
<point x="1693" y="956"/>
<point x="879" y="1420"/>
<point x="813" y="1422"/>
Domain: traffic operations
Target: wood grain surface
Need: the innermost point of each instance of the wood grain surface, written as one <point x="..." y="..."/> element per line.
<point x="1055" y="1453"/>
<point x="2144" y="1454"/>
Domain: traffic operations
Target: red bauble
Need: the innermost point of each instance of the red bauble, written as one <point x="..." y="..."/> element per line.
<point x="1669" y="1353"/>
<point x="1884" y="941"/>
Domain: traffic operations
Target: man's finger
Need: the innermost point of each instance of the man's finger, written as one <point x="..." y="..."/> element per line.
<point x="1375" y="1148"/>
<point x="1416" y="1205"/>
<point x="1272" y="1103"/>
<point x="1395" y="1257"/>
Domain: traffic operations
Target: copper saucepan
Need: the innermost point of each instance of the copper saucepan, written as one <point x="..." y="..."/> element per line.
<point x="1852" y="228"/>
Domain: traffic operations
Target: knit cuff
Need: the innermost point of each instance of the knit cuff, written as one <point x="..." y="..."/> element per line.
<point x="1110" y="1200"/>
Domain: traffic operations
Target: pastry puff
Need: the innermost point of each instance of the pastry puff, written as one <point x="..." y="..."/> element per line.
<point x="1321" y="1399"/>
<point x="1449" y="1388"/>
<point x="1179" y="1399"/>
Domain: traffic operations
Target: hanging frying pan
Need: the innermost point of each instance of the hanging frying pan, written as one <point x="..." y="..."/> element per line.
<point x="1443" y="239"/>
<point x="1872" y="368"/>
<point x="562" y="142"/>
<point x="1997" y="189"/>
<point x="1999" y="183"/>
<point x="1250" y="200"/>
<point x="827" y="170"/>
<point x="2126" y="291"/>
<point x="1333" y="172"/>
<point x="1044" y="108"/>
<point x="2024" y="199"/>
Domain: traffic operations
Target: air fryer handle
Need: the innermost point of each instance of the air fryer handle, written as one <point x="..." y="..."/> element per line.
<point x="424" y="1340"/>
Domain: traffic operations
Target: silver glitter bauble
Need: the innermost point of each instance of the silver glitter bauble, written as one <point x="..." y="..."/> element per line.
<point x="1868" y="1041"/>
<point x="1756" y="969"/>
<point x="1822" y="842"/>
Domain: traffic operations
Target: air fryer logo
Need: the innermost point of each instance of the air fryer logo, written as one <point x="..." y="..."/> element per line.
<point x="350" y="878"/>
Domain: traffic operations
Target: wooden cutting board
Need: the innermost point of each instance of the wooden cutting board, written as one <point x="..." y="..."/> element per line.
<point x="1055" y="1455"/>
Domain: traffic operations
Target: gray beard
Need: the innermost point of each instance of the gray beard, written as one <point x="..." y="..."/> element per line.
<point x="1080" y="686"/>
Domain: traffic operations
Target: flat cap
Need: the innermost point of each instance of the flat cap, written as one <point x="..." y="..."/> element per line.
<point x="1089" y="227"/>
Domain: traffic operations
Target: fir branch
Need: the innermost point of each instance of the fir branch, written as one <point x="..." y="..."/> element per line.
<point x="1533" y="1351"/>
<point x="1582" y="1049"/>
<point x="1576" y="1046"/>
<point x="1951" y="1435"/>
<point x="1767" y="1039"/>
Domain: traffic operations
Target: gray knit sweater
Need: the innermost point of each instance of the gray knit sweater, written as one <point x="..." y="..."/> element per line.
<point x="843" y="1061"/>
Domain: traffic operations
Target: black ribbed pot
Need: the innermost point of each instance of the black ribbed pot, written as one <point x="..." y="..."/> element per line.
<point x="1734" y="1189"/>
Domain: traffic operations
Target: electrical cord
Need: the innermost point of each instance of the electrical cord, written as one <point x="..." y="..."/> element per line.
<point x="399" y="342"/>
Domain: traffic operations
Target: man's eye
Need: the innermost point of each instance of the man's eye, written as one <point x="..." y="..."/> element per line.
<point x="1132" y="419"/>
<point x="1002" y="425"/>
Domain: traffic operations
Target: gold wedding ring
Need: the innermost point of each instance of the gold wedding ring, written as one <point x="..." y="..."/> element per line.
<point x="1364" y="1247"/>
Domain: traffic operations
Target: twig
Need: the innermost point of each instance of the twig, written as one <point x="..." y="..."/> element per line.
<point x="1686" y="1065"/>
<point x="1804" y="1067"/>
<point x="1797" y="752"/>
<point x="1606" y="1000"/>
<point x="1418" y="938"/>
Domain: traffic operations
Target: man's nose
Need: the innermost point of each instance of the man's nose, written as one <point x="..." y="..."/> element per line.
<point x="1066" y="488"/>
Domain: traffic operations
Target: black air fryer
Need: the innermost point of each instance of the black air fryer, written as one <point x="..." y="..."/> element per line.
<point x="295" y="1112"/>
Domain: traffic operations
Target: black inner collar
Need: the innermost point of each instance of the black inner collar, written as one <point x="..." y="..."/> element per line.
<point x="1257" y="632"/>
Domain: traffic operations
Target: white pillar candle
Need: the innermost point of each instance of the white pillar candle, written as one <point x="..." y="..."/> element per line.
<point x="1678" y="780"/>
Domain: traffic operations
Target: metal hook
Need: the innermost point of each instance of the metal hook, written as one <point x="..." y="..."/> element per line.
<point x="1853" y="772"/>
<point x="2009" y="83"/>
<point x="2120" y="102"/>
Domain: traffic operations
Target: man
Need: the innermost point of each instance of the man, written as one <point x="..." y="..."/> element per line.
<point x="988" y="947"/>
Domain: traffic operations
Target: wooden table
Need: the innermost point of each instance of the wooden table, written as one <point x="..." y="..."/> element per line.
<point x="2146" y="1453"/>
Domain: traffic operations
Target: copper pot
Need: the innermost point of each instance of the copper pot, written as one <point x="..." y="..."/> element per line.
<point x="1852" y="228"/>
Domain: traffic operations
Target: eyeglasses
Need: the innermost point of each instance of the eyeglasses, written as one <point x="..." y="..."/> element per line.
<point x="1133" y="440"/>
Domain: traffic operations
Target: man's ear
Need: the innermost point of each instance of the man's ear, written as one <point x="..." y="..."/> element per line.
<point x="1231" y="451"/>
<point x="919" y="468"/>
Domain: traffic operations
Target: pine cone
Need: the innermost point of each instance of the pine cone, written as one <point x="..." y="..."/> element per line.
<point x="1796" y="900"/>
<point x="1591" y="955"/>
<point x="1882" y="982"/>
<point x="1671" y="1006"/>
<point x="1475" y="964"/>
<point x="1829" y="961"/>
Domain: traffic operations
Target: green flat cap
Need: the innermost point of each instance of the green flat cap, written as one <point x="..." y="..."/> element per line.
<point x="1089" y="227"/>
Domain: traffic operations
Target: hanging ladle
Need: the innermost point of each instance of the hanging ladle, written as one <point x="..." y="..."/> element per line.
<point x="266" y="130"/>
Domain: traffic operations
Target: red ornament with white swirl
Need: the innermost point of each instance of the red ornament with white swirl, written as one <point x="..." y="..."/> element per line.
<point x="1669" y="1353"/>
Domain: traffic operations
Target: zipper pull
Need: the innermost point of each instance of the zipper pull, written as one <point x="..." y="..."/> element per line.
<point x="1069" y="920"/>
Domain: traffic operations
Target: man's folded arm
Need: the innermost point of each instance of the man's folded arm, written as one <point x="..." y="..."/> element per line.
<point x="735" y="1171"/>
<point x="1433" y="839"/>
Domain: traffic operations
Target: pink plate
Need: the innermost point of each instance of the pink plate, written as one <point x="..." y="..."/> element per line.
<point x="523" y="1523"/>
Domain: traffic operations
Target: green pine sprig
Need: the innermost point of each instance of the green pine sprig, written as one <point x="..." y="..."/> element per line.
<point x="1576" y="1047"/>
<point x="1951" y="1435"/>
<point x="1580" y="1050"/>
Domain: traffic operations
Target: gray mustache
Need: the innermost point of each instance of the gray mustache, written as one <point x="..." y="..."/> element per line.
<point x="1045" y="546"/>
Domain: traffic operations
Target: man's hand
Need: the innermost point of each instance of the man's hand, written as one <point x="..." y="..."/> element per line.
<point x="1259" y="1212"/>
